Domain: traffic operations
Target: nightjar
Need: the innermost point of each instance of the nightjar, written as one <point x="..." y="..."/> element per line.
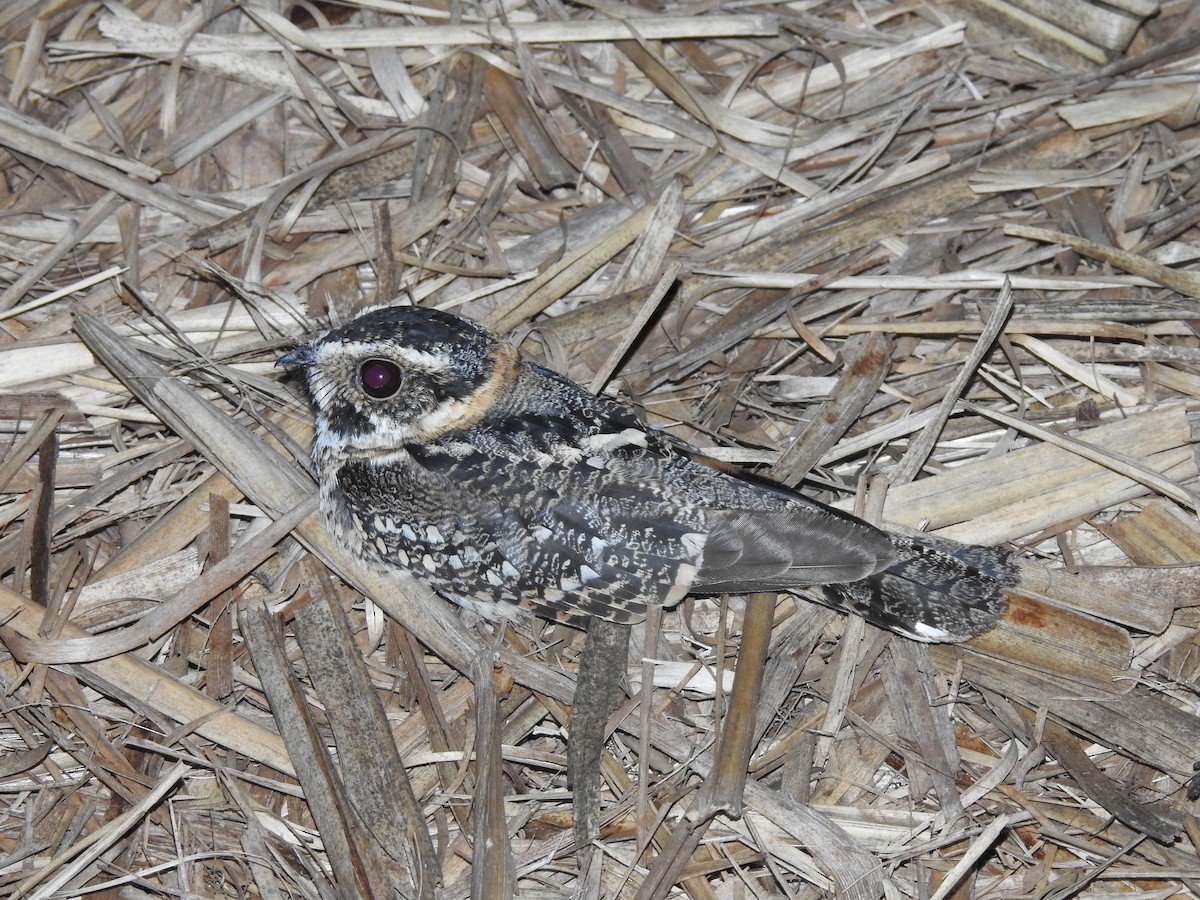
<point x="441" y="450"/>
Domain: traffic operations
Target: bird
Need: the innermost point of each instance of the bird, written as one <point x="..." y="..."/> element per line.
<point x="441" y="450"/>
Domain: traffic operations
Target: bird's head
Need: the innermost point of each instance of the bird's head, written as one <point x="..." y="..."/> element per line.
<point x="399" y="375"/>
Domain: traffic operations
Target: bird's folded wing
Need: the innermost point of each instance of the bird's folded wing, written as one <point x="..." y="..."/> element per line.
<point x="755" y="550"/>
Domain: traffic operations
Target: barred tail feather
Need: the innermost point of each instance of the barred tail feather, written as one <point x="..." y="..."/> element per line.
<point x="936" y="591"/>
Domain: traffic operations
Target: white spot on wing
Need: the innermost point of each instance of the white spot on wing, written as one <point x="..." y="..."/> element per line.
<point x="608" y="441"/>
<point x="684" y="576"/>
<point x="693" y="544"/>
<point x="924" y="632"/>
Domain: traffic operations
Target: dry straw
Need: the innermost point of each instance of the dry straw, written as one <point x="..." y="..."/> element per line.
<point x="951" y="244"/>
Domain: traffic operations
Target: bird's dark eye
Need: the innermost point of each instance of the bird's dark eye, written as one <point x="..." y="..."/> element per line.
<point x="381" y="378"/>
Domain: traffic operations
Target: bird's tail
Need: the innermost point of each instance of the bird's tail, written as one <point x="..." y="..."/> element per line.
<point x="935" y="591"/>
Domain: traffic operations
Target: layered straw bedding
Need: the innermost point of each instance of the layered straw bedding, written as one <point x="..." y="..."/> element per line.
<point x="934" y="261"/>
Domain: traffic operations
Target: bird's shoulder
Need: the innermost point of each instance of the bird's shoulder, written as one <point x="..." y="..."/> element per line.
<point x="546" y="422"/>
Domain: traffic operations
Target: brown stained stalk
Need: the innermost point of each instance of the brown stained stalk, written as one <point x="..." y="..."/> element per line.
<point x="723" y="787"/>
<point x="524" y="126"/>
<point x="355" y="872"/>
<point x="866" y="367"/>
<point x="38" y="532"/>
<point x="722" y="791"/>
<point x="219" y="661"/>
<point x="493" y="874"/>
<point x="1081" y="654"/>
<point x="1133" y="597"/>
<point x="372" y="775"/>
<point x="794" y="645"/>
<point x="1157" y="820"/>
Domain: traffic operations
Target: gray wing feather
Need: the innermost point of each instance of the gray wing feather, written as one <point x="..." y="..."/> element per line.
<point x="757" y="550"/>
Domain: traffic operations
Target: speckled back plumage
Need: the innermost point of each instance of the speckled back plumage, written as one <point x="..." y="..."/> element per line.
<point x="504" y="485"/>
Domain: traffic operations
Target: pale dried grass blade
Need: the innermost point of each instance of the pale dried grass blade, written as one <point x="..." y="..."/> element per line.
<point x="1034" y="487"/>
<point x="216" y="579"/>
<point x="130" y="35"/>
<point x="95" y="844"/>
<point x="1111" y="458"/>
<point x="919" y="450"/>
<point x="140" y="682"/>
<point x="1186" y="283"/>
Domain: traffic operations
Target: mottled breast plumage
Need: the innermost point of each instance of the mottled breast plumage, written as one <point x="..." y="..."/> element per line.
<point x="440" y="450"/>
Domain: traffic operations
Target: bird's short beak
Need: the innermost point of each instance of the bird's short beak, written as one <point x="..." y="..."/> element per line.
<point x="301" y="356"/>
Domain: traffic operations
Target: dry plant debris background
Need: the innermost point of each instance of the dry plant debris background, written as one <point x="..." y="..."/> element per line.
<point x="782" y="232"/>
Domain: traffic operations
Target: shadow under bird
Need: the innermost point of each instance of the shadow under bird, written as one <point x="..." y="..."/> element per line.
<point x="442" y="451"/>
